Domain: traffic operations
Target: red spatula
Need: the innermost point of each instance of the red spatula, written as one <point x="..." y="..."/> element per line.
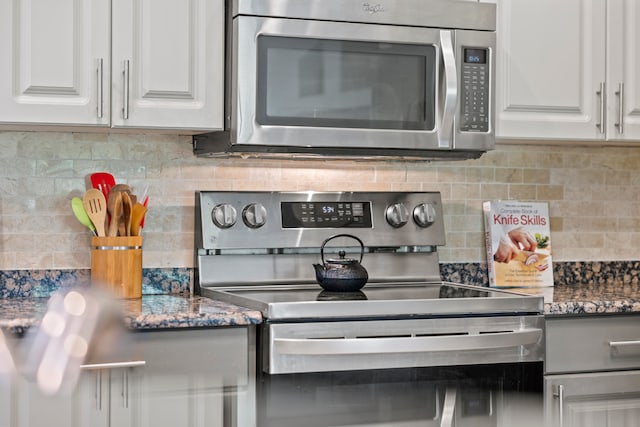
<point x="103" y="181"/>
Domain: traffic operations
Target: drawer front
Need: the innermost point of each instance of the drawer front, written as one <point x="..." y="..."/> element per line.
<point x="592" y="343"/>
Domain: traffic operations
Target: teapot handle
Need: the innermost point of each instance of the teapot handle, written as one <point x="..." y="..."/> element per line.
<point x="341" y="235"/>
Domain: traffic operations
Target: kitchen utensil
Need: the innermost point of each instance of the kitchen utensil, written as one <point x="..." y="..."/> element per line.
<point x="96" y="206"/>
<point x="115" y="212"/>
<point x="78" y="210"/>
<point x="124" y="227"/>
<point x="138" y="210"/>
<point x="343" y="274"/>
<point x="103" y="181"/>
<point x="122" y="187"/>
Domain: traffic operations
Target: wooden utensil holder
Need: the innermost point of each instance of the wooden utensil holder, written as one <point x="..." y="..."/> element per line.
<point x="116" y="264"/>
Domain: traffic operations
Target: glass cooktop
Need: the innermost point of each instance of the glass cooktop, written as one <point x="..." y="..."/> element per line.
<point x="376" y="300"/>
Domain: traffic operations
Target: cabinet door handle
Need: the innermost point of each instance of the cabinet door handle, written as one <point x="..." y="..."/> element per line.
<point x="620" y="93"/>
<point x="125" y="90"/>
<point x="560" y="396"/>
<point x="113" y="365"/>
<point x="601" y="94"/>
<point x="100" y="94"/>
<point x="98" y="393"/>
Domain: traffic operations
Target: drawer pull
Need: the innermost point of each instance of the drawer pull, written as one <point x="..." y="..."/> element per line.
<point x="623" y="344"/>
<point x="113" y="365"/>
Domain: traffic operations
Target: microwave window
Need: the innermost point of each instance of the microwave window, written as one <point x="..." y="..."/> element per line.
<point x="328" y="83"/>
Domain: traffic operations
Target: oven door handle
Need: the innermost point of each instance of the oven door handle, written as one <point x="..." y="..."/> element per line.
<point x="413" y="344"/>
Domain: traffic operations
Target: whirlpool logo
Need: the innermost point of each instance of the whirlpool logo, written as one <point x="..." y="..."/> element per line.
<point x="372" y="8"/>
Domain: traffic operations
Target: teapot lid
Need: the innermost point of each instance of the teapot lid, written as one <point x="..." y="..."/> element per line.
<point x="342" y="260"/>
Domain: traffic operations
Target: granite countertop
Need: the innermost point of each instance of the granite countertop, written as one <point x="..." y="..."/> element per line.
<point x="592" y="299"/>
<point x="187" y="311"/>
<point x="148" y="312"/>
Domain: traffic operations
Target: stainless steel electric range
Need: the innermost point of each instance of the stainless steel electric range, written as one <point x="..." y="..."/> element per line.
<point x="257" y="249"/>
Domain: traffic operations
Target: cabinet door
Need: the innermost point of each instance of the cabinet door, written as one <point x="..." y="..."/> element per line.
<point x="623" y="70"/>
<point x="87" y="406"/>
<point x="168" y="64"/>
<point x="593" y="400"/>
<point x="55" y="62"/>
<point x="191" y="378"/>
<point x="550" y="63"/>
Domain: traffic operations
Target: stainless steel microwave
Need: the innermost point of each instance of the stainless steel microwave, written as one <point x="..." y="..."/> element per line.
<point x="411" y="79"/>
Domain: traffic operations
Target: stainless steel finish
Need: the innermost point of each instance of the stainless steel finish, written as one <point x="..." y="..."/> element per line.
<point x="273" y="236"/>
<point x="392" y="305"/>
<point x="424" y="215"/>
<point x="254" y="215"/>
<point x="404" y="317"/>
<point x="100" y="94"/>
<point x="367" y="346"/>
<point x="397" y="215"/>
<point x="601" y="94"/>
<point x="125" y="94"/>
<point x="382" y="344"/>
<point x="447" y="25"/>
<point x="113" y="365"/>
<point x="432" y="13"/>
<point x="624" y="344"/>
<point x="445" y="139"/>
<point x="620" y="94"/>
<point x="449" y="408"/>
<point x="560" y="396"/>
<point x="224" y="215"/>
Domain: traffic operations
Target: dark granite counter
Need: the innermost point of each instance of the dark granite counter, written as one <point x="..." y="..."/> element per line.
<point x="148" y="312"/>
<point x="581" y="288"/>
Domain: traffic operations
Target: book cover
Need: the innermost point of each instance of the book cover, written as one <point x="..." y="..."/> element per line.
<point x="518" y="242"/>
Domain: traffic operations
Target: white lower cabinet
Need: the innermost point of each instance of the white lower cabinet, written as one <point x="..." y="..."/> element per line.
<point x="190" y="378"/>
<point x="593" y="371"/>
<point x="602" y="399"/>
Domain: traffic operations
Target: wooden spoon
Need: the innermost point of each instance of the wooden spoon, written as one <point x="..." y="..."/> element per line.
<point x="96" y="206"/>
<point x="115" y="211"/>
<point x="124" y="228"/>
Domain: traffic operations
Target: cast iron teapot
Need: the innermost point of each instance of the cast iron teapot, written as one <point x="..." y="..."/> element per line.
<point x="343" y="274"/>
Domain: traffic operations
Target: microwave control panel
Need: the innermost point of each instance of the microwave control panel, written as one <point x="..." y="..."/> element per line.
<point x="475" y="88"/>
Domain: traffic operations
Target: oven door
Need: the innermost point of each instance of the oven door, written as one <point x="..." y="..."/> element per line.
<point x="468" y="371"/>
<point x="346" y="85"/>
<point x="460" y="396"/>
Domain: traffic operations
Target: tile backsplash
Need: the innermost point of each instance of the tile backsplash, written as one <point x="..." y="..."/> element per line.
<point x="593" y="193"/>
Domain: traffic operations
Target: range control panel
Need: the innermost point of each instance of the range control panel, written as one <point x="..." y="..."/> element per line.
<point x="475" y="89"/>
<point x="271" y="220"/>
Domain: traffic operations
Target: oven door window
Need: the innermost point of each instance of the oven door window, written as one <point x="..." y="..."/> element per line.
<point x="346" y="84"/>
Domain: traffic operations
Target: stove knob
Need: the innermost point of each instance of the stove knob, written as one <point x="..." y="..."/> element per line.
<point x="224" y="215"/>
<point x="397" y="215"/>
<point x="424" y="215"/>
<point x="254" y="215"/>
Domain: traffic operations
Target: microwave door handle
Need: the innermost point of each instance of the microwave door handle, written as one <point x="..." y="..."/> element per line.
<point x="445" y="134"/>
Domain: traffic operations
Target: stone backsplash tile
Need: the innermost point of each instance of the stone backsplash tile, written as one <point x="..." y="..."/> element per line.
<point x="593" y="193"/>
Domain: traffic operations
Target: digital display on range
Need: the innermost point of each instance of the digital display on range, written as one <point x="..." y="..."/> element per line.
<point x="326" y="214"/>
<point x="475" y="56"/>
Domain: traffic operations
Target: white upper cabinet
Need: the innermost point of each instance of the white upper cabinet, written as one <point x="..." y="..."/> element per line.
<point x="51" y="51"/>
<point x="550" y="63"/>
<point x="168" y="64"/>
<point x="152" y="64"/>
<point x="560" y="65"/>
<point x="623" y="70"/>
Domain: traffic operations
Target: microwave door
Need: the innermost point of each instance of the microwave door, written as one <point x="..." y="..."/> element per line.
<point x="336" y="85"/>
